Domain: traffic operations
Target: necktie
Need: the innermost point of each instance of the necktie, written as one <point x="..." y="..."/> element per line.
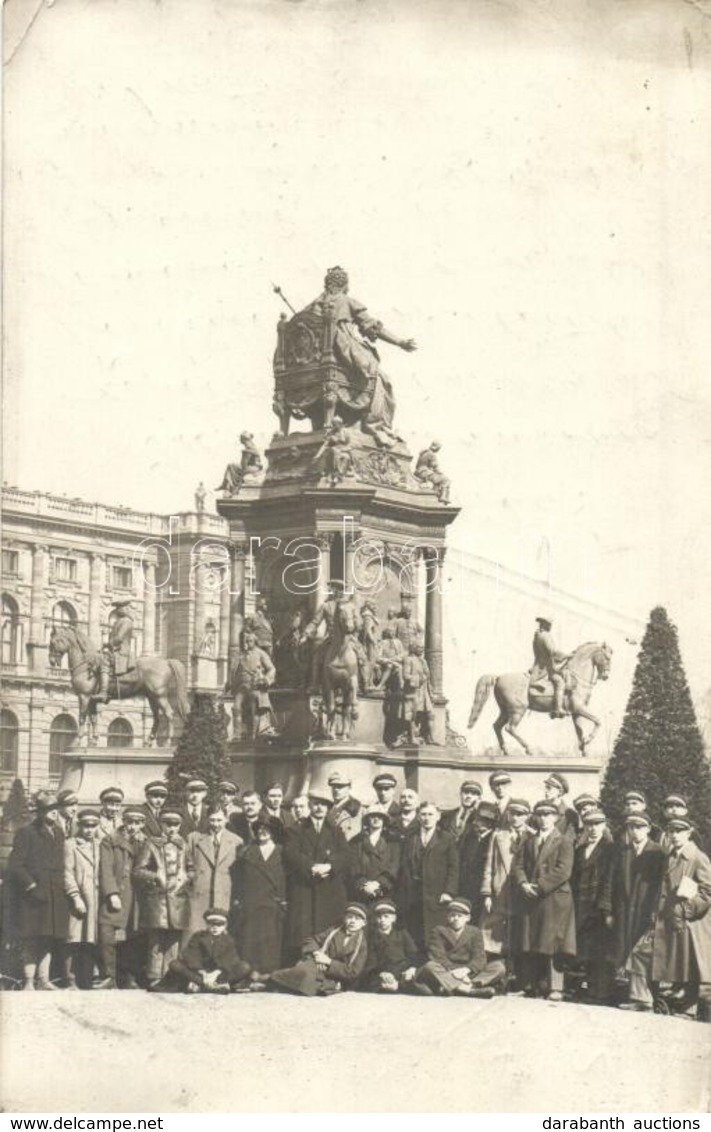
<point x="216" y="843"/>
<point x="196" y="815"/>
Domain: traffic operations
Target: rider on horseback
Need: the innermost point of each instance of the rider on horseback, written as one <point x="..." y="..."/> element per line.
<point x="116" y="653"/>
<point x="550" y="663"/>
<point x="326" y="615"/>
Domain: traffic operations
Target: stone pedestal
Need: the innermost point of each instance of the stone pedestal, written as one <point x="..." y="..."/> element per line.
<point x="89" y="771"/>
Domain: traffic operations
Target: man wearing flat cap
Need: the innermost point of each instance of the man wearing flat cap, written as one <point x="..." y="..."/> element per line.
<point x="385" y="785"/>
<point x="316" y="861"/>
<point x="591" y="882"/>
<point x="162" y="878"/>
<point x="634" y="893"/>
<point x="679" y="952"/>
<point x="81" y="885"/>
<point x="67" y="809"/>
<point x="122" y="944"/>
<point x="457" y="963"/>
<point x="156" y="793"/>
<point x="474" y="849"/>
<point x="393" y="958"/>
<point x="501" y="920"/>
<point x="195" y="809"/>
<point x="331" y="961"/>
<point x="345" y="813"/>
<point x="500" y="786"/>
<point x="210" y="962"/>
<point x="110" y="819"/>
<point x="541" y="871"/>
<point x="555" y="789"/>
<point x="36" y="871"/>
<point x="456" y="821"/>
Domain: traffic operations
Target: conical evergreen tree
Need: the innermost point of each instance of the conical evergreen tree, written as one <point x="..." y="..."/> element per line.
<point x="201" y="751"/>
<point x="16" y="810"/>
<point x="659" y="749"/>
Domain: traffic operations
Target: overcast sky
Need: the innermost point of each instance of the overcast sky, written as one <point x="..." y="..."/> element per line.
<point x="526" y="190"/>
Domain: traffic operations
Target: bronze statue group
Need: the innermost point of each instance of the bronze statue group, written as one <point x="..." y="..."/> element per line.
<point x="328" y="895"/>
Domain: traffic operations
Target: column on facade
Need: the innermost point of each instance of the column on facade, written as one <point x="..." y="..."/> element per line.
<point x="95" y="587"/>
<point x="149" y="607"/>
<point x="349" y="541"/>
<point x="198" y="580"/>
<point x="39" y="583"/>
<point x="223" y="642"/>
<point x="236" y="597"/>
<point x="433" y="617"/>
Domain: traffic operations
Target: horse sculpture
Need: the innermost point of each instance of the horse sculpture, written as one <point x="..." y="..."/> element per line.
<point x="512" y="693"/>
<point x="340" y="674"/>
<point x="159" y="680"/>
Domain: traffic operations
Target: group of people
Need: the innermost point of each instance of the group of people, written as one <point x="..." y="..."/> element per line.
<point x="328" y="894"/>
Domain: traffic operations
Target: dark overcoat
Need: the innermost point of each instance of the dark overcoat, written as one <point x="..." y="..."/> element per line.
<point x="426" y="873"/>
<point x="164" y="902"/>
<point x="314" y="902"/>
<point x="547" y="920"/>
<point x="392" y="953"/>
<point x="37" y="858"/>
<point x="591" y="894"/>
<point x="260" y="888"/>
<point x="117" y="859"/>
<point x="152" y="828"/>
<point x="634" y="893"/>
<point x="379" y="862"/>
<point x="452" y="949"/>
<point x="206" y="952"/>
<point x="682" y="933"/>
<point x="348" y="955"/>
<point x="448" y="821"/>
<point x="189" y="825"/>
<point x="473" y="853"/>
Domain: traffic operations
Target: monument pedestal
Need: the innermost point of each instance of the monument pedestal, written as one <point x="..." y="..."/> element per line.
<point x="88" y="770"/>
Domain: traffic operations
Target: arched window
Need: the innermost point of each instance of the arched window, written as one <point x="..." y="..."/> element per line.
<point x="9" y="734"/>
<point x="10" y="630"/>
<point x="120" y="733"/>
<point x="62" y="734"/>
<point x="63" y="613"/>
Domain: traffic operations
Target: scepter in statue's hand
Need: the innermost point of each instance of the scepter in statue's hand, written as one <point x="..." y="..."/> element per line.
<point x="278" y="291"/>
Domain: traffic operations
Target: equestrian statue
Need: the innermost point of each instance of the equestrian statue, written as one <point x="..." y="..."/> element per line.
<point x="558" y="684"/>
<point x="100" y="675"/>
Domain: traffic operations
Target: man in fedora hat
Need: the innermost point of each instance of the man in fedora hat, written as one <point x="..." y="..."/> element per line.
<point x="36" y="870"/>
<point x="116" y="653"/>
<point x="316" y="860"/>
<point x="548" y="662"/>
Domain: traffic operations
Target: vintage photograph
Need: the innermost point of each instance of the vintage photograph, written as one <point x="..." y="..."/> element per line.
<point x="356" y="644"/>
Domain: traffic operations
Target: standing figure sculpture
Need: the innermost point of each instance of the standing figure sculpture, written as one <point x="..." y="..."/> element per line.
<point x="355" y="353"/>
<point x="418" y="707"/>
<point x="335" y="453"/>
<point x="249" y="683"/>
<point x="370" y="637"/>
<point x="515" y="695"/>
<point x="548" y="664"/>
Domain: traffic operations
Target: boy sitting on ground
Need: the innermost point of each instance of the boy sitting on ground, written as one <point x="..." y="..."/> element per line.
<point x="457" y="959"/>
<point x="210" y="962"/>
<point x="332" y="960"/>
<point x="393" y="957"/>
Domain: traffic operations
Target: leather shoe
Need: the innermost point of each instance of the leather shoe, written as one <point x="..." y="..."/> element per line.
<point x="635" y="1007"/>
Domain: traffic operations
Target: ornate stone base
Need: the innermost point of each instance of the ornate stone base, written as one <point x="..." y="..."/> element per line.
<point x="89" y="771"/>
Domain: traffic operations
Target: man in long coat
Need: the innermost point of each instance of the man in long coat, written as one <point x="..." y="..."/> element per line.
<point x="315" y="856"/>
<point x="429" y="875"/>
<point x="458" y="820"/>
<point x="81" y="885"/>
<point x="542" y="869"/>
<point x="634" y="886"/>
<point x="260" y="888"/>
<point x="122" y="947"/>
<point x="210" y="861"/>
<point x="473" y="853"/>
<point x="194" y="811"/>
<point x="156" y="793"/>
<point x="501" y="920"/>
<point x="346" y="811"/>
<point x="36" y="870"/>
<point x="678" y="950"/>
<point x="162" y="877"/>
<point x="592" y="868"/>
<point x="373" y="860"/>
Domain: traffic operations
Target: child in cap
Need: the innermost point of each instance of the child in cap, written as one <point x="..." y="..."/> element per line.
<point x="332" y="960"/>
<point x="210" y="961"/>
<point x="81" y="885"/>
<point x="457" y="961"/>
<point x="393" y="957"/>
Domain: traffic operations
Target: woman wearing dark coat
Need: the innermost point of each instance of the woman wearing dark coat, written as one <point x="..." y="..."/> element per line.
<point x="260" y="889"/>
<point x="592" y="869"/>
<point x="373" y="860"/>
<point x="36" y="869"/>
